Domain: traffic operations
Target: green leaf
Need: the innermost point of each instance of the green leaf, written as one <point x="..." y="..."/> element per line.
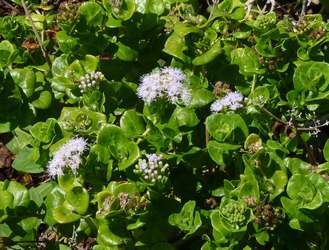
<point x="132" y="123"/>
<point x="295" y="224"/>
<point x="184" y="117"/>
<point x="101" y="153"/>
<point x="20" y="141"/>
<point x="115" y="139"/>
<point x="261" y="93"/>
<point x="116" y="188"/>
<point x="253" y="143"/>
<point x="153" y="6"/>
<point x="248" y="186"/>
<point x="112" y="22"/>
<point x="279" y="180"/>
<point x="300" y="188"/>
<point x="247" y="61"/>
<point x="137" y="224"/>
<point x="92" y="13"/>
<point x="81" y="120"/>
<point x="291" y="208"/>
<point x="66" y="182"/>
<point x="78" y="198"/>
<point x="26" y="161"/>
<point x="25" y="79"/>
<point x="321" y="185"/>
<point x="262" y="237"/>
<point x="5" y="230"/>
<point x="227" y="127"/>
<point x="297" y="166"/>
<point x="233" y="9"/>
<point x="183" y="28"/>
<point x="209" y="55"/>
<point x="201" y="97"/>
<point x="312" y="76"/>
<point x="59" y="65"/>
<point x="30" y="224"/>
<point x="63" y="215"/>
<point x="326" y="151"/>
<point x="44" y="131"/>
<point x="131" y="156"/>
<point x="54" y="199"/>
<point x="39" y="193"/>
<point x="64" y="247"/>
<point x="106" y="236"/>
<point x="90" y="63"/>
<point x="126" y="53"/>
<point x="7" y="53"/>
<point x="20" y="193"/>
<point x="62" y="84"/>
<point x="221" y="152"/>
<point x="175" y="46"/>
<point x="66" y="43"/>
<point x="187" y="219"/>
<point x="265" y="22"/>
<point x="124" y="9"/>
<point x="43" y="101"/>
<point x="6" y="199"/>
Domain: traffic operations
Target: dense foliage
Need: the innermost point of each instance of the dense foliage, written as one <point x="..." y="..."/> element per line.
<point x="161" y="124"/>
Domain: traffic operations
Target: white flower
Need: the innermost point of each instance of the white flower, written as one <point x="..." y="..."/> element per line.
<point x="150" y="89"/>
<point x="232" y="101"/>
<point x="153" y="157"/>
<point x="69" y="155"/>
<point x="167" y="82"/>
<point x="90" y="80"/>
<point x="149" y="169"/>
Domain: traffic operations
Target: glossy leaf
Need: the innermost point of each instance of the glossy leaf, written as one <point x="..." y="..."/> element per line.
<point x="92" y="13"/>
<point x="20" y="194"/>
<point x="247" y="61"/>
<point x="25" y="79"/>
<point x="226" y="127"/>
<point x="63" y="215"/>
<point x="26" y="161"/>
<point x="78" y="198"/>
<point x="220" y="152"/>
<point x="132" y="123"/>
<point x="44" y="131"/>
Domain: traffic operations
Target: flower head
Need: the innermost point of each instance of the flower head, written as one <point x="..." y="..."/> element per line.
<point x="232" y="101"/>
<point x="68" y="156"/>
<point x="152" y="169"/>
<point x="90" y="81"/>
<point x="235" y="213"/>
<point x="167" y="82"/>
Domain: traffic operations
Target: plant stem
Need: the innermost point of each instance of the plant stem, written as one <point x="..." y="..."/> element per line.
<point x="43" y="49"/>
<point x="253" y="84"/>
<point x="315" y="128"/>
<point x="206" y="135"/>
<point x="265" y="110"/>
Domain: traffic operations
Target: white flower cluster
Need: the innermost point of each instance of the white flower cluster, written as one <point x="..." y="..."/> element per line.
<point x="90" y="80"/>
<point x="152" y="169"/>
<point x="232" y="101"/>
<point x="167" y="82"/>
<point x="69" y="155"/>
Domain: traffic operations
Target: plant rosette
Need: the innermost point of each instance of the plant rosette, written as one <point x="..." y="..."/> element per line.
<point x="230" y="220"/>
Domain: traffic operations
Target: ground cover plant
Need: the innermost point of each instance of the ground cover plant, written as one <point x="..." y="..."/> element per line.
<point x="162" y="124"/>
